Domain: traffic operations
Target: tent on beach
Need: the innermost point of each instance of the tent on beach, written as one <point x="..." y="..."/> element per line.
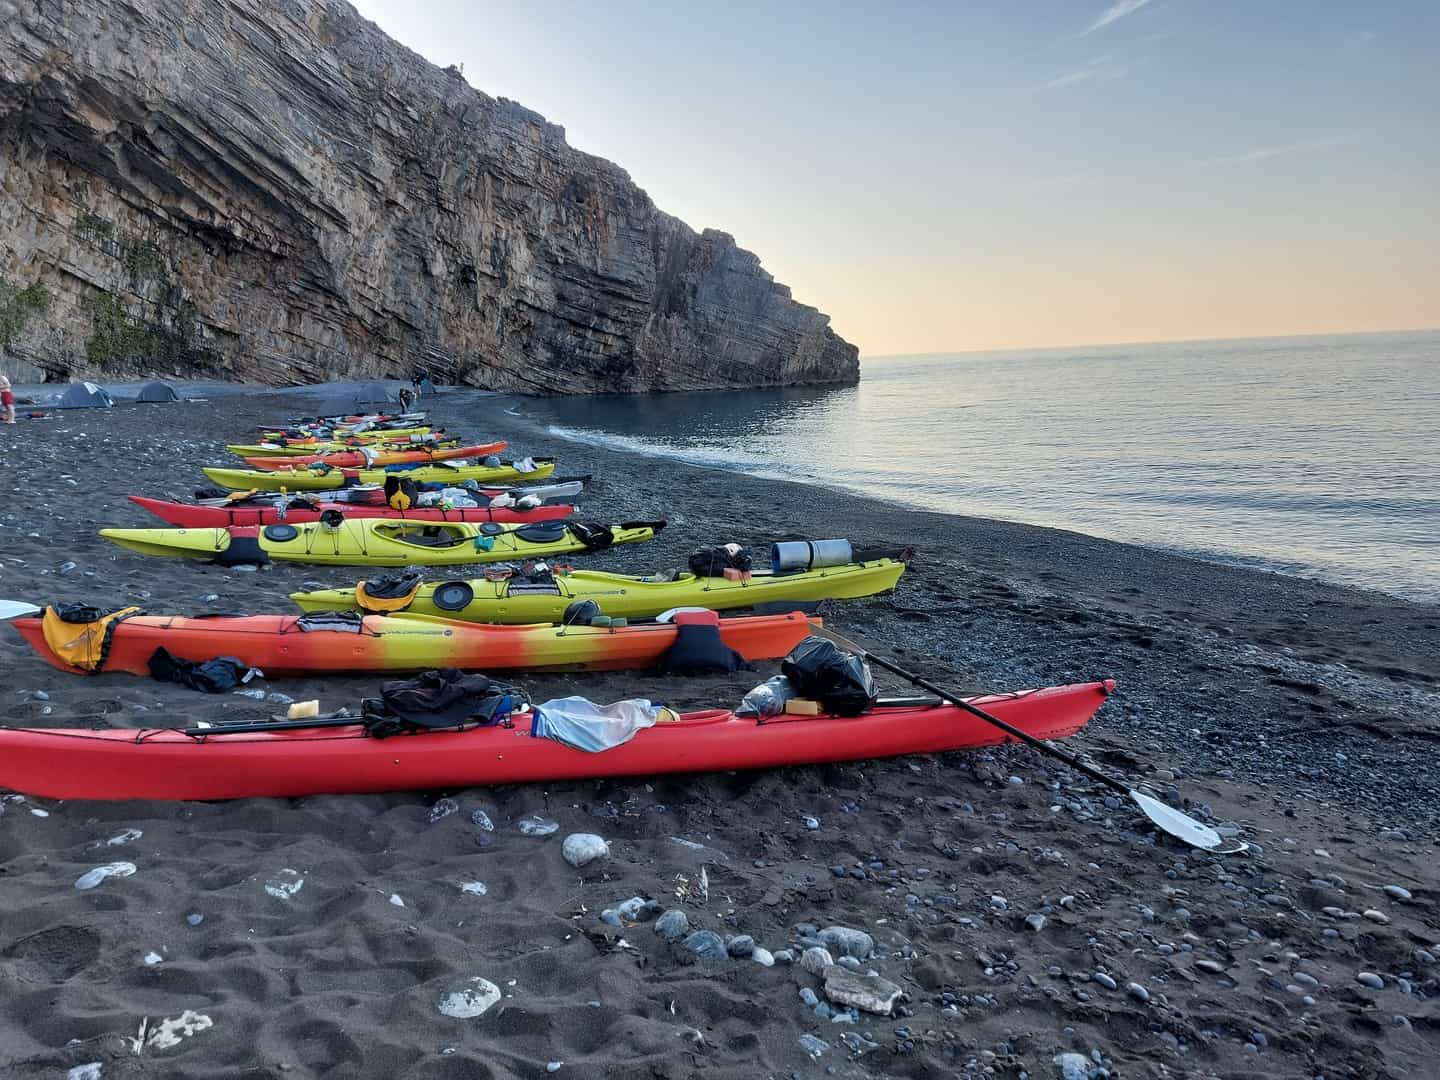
<point x="84" y="395"/>
<point x="158" y="391"/>
<point x="377" y="392"/>
<point x="360" y="398"/>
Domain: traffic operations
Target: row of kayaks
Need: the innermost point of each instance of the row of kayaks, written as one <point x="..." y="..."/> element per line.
<point x="520" y="616"/>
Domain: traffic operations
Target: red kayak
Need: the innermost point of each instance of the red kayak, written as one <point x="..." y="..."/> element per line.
<point x="169" y="764"/>
<point x="195" y="516"/>
<point x="375" y="458"/>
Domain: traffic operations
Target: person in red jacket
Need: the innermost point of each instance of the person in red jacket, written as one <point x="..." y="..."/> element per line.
<point x="7" y="401"/>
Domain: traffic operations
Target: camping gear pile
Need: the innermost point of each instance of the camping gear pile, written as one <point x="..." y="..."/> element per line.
<point x="352" y="488"/>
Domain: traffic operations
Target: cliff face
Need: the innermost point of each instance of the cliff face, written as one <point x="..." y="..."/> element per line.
<point x="274" y="190"/>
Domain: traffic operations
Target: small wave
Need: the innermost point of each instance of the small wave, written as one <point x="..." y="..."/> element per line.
<point x="730" y="460"/>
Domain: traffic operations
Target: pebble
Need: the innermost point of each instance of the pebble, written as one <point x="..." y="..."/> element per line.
<point x="471" y="1001"/>
<point x="1073" y="1066"/>
<point x="763" y="957"/>
<point x="1138" y="992"/>
<point x="813" y="1046"/>
<point x="1370" y="979"/>
<point x="1397" y="892"/>
<point x="482" y="819"/>
<point x="741" y="945"/>
<point x="194" y="918"/>
<point x="784" y="956"/>
<point x="442" y="809"/>
<point x="39" y="695"/>
<point x="474" y="888"/>
<point x="89" y="1071"/>
<point x="1305" y="979"/>
<point x="1035" y="922"/>
<point x="815" y="959"/>
<point x="999" y="903"/>
<point x="707" y="945"/>
<point x="811" y="823"/>
<point x="396" y="901"/>
<point x="673" y="925"/>
<point x="152" y="958"/>
<point x="872" y="993"/>
<point x="809" y="997"/>
<point x="843" y="939"/>
<point x="581" y="849"/>
<point x="1104" y="980"/>
<point x="553" y="1066"/>
<point x="1376" y="916"/>
<point x="535" y="825"/>
<point x="92" y="878"/>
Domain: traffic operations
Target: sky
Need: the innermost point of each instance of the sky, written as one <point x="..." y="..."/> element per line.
<point x="995" y="174"/>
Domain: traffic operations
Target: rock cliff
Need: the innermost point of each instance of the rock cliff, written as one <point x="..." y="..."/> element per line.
<point x="273" y="190"/>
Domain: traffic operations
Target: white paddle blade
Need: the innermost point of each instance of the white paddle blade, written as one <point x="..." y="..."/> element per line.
<point x="1181" y="826"/>
<point x="13" y="609"/>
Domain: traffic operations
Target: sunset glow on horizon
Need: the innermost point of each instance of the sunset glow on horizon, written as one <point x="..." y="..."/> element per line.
<point x="994" y="175"/>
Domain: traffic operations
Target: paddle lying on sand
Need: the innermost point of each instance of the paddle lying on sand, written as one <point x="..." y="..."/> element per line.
<point x="1181" y="826"/>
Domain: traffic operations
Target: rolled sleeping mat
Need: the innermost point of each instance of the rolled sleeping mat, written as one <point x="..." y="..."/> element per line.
<point x="809" y="554"/>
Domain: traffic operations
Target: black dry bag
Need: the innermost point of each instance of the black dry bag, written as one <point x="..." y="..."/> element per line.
<point x="839" y="681"/>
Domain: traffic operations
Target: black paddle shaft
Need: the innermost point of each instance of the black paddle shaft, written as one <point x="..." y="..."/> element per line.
<point x="1009" y="729"/>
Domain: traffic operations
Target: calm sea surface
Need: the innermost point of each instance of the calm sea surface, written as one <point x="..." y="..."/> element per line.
<point x="1313" y="456"/>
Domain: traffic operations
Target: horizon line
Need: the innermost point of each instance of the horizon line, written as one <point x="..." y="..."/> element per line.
<point x="1151" y="341"/>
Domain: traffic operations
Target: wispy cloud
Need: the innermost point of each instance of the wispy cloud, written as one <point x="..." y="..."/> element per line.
<point x="1096" y="71"/>
<point x="1114" y="13"/>
<point x="1263" y="153"/>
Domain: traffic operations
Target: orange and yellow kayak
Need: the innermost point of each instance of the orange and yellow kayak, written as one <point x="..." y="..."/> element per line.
<point x="304" y="645"/>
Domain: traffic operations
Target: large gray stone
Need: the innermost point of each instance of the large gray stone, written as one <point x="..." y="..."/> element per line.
<point x="871" y="993"/>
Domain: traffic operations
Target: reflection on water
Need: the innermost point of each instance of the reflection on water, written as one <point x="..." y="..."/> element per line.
<point x="1314" y="455"/>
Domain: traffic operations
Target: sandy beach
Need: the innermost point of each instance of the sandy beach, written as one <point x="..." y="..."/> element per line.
<point x="1026" y="915"/>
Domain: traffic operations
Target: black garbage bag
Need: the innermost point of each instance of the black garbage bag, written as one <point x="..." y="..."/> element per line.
<point x="212" y="676"/>
<point x="839" y="681"/>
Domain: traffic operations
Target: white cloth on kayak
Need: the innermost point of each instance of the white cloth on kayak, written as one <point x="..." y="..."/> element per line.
<point x="579" y="723"/>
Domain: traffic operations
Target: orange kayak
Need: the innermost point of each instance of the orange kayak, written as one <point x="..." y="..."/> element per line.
<point x="374" y="459"/>
<point x="288" y="645"/>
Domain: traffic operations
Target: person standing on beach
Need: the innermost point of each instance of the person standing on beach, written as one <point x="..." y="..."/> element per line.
<point x="7" y="400"/>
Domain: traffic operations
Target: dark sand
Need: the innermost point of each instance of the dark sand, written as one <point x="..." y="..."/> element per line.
<point x="1300" y="713"/>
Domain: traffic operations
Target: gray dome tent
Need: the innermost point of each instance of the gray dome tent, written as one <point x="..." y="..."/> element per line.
<point x="378" y="392"/>
<point x="158" y="391"/>
<point x="359" y="398"/>
<point x="84" y="395"/>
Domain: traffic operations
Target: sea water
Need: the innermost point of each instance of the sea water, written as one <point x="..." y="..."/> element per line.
<point x="1317" y="456"/>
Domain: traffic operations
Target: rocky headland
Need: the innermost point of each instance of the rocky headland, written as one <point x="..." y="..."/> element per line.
<point x="280" y="193"/>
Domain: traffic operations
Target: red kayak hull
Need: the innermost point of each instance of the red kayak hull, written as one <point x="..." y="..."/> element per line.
<point x="166" y="764"/>
<point x="190" y="516"/>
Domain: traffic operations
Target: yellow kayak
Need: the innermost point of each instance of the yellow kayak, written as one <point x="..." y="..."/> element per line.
<point x="341" y="431"/>
<point x="331" y="446"/>
<point x="330" y="479"/>
<point x="382" y="542"/>
<point x="543" y="598"/>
